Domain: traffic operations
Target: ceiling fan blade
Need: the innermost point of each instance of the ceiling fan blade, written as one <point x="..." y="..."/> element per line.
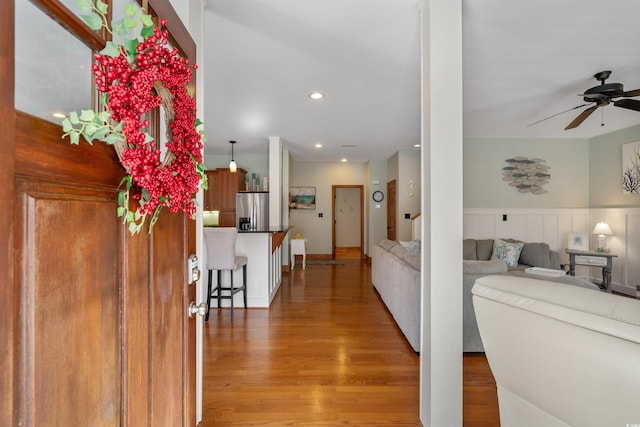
<point x="631" y="93"/>
<point x="566" y="111"/>
<point x="630" y="104"/>
<point x="581" y="117"/>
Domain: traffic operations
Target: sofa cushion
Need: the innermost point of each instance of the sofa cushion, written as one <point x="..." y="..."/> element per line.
<point x="507" y="251"/>
<point x="469" y="249"/>
<point x="484" y="249"/>
<point x="412" y="258"/>
<point x="388" y="244"/>
<point x="536" y="255"/>
<point x="496" y="266"/>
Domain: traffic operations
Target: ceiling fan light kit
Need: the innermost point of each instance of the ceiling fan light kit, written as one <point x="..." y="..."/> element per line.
<point x="601" y="96"/>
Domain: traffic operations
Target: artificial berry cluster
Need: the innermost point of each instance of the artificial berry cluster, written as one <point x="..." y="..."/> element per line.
<point x="129" y="84"/>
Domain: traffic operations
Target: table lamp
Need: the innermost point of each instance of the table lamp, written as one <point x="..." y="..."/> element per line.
<point x="602" y="229"/>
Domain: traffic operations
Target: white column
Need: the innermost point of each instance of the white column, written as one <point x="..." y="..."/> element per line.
<point x="441" y="353"/>
<point x="275" y="181"/>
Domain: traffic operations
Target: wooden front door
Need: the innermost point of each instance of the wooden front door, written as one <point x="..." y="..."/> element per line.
<point x="95" y="328"/>
<point x="391" y="210"/>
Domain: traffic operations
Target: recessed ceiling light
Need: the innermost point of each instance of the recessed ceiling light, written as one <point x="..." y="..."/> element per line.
<point x="318" y="145"/>
<point x="416" y="145"/>
<point x="316" y="95"/>
<point x="59" y="115"/>
<point x="343" y="160"/>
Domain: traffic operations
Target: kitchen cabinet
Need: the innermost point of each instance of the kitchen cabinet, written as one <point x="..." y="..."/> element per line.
<point x="221" y="195"/>
<point x="211" y="200"/>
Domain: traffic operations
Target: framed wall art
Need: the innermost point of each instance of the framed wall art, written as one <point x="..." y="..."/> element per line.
<point x="631" y="168"/>
<point x="302" y="198"/>
<point x="578" y="241"/>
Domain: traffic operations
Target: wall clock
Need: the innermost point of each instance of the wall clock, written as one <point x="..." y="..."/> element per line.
<point x="377" y="196"/>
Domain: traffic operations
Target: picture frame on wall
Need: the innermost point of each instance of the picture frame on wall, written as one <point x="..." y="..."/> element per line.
<point x="578" y="241"/>
<point x="302" y="198"/>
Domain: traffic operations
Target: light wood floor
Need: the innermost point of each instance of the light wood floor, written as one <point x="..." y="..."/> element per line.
<point x="326" y="353"/>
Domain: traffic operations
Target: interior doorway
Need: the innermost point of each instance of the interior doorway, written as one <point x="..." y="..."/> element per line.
<point x="347" y="229"/>
<point x="391" y="210"/>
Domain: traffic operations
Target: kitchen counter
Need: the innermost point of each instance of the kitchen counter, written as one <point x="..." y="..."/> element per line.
<point x="263" y="249"/>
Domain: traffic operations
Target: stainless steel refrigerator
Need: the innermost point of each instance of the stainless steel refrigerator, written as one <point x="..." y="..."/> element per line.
<point x="252" y="210"/>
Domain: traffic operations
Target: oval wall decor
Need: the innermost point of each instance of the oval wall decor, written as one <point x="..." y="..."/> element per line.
<point x="526" y="175"/>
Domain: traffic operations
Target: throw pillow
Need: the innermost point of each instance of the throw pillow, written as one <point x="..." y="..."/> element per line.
<point x="414" y="246"/>
<point x="506" y="251"/>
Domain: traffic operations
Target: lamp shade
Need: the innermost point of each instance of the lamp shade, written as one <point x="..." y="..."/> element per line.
<point x="602" y="228"/>
<point x="232" y="164"/>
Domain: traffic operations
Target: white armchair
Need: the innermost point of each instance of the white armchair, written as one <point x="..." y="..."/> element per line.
<point x="561" y="355"/>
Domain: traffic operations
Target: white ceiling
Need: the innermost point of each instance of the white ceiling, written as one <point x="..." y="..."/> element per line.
<point x="523" y="61"/>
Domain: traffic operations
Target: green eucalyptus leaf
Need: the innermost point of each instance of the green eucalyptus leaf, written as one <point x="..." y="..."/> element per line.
<point x="111" y="49"/>
<point x="93" y="20"/>
<point x="121" y="195"/>
<point x="118" y="27"/>
<point x="90" y="130"/>
<point x="119" y="127"/>
<point x="87" y="115"/>
<point x="101" y="133"/>
<point x="129" y="216"/>
<point x="112" y="138"/>
<point x="74" y="138"/>
<point x="131" y="47"/>
<point x="73" y="117"/>
<point x="103" y="116"/>
<point x="130" y="22"/>
<point x="102" y="7"/>
<point x="104" y="99"/>
<point x="147" y="31"/>
<point x="83" y="5"/>
<point x="137" y="215"/>
<point x="130" y="9"/>
<point x="145" y="194"/>
<point x="66" y="125"/>
<point x="147" y="138"/>
<point x="133" y="229"/>
<point x="121" y="211"/>
<point x="197" y="123"/>
<point x="147" y="20"/>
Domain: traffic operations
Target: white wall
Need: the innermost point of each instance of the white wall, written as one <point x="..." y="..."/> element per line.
<point x="404" y="168"/>
<point x="322" y="176"/>
<point x="569" y="168"/>
<point x="377" y="211"/>
<point x="409" y="188"/>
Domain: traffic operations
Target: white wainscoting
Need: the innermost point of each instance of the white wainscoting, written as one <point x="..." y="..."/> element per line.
<point x="553" y="227"/>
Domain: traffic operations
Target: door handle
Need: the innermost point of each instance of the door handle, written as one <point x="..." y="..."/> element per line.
<point x="197" y="309"/>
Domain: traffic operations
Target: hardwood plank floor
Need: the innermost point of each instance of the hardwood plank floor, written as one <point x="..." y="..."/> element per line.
<point x="326" y="353"/>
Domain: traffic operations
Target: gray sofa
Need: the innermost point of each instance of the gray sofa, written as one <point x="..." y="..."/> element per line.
<point x="478" y="263"/>
<point x="395" y="273"/>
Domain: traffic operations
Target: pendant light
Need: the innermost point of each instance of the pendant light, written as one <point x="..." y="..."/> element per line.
<point x="232" y="164"/>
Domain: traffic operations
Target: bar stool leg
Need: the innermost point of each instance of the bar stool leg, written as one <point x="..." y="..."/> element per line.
<point x="232" y="293"/>
<point x="219" y="287"/>
<point x="206" y="318"/>
<point x="244" y="284"/>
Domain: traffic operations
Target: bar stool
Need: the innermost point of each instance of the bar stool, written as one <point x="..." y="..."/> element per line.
<point x="298" y="247"/>
<point x="221" y="255"/>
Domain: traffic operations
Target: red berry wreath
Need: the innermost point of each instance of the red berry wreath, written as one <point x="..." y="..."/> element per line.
<point x="137" y="78"/>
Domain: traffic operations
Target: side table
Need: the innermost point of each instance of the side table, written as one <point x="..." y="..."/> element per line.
<point x="593" y="259"/>
<point x="298" y="247"/>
